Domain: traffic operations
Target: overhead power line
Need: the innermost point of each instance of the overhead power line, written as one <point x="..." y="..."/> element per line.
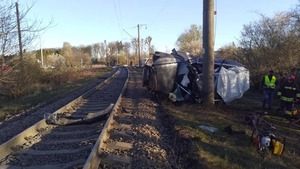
<point x="160" y="12"/>
<point x="128" y="33"/>
<point x="120" y="13"/>
<point x="117" y="17"/>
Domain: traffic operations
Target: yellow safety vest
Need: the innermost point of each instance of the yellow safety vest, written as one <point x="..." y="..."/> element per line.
<point x="270" y="83"/>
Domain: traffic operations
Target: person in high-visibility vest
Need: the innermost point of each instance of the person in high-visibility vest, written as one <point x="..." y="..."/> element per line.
<point x="288" y="92"/>
<point x="269" y="84"/>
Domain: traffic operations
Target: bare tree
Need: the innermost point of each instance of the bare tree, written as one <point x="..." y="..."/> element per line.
<point x="134" y="43"/>
<point x="148" y="41"/>
<point x="68" y="54"/>
<point x="112" y="49"/>
<point x="8" y="34"/>
<point x="81" y="56"/>
<point x="119" y="45"/>
<point x="30" y="28"/>
<point x="191" y="40"/>
<point x="270" y="41"/>
<point x="126" y="47"/>
<point x="96" y="48"/>
<point x="228" y="51"/>
<point x="98" y="52"/>
<point x="21" y="73"/>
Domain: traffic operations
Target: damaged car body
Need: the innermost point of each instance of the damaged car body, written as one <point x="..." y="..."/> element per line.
<point x="180" y="76"/>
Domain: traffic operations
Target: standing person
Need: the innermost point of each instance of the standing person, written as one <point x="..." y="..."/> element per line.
<point x="269" y="84"/>
<point x="288" y="93"/>
<point x="293" y="73"/>
<point x="295" y="76"/>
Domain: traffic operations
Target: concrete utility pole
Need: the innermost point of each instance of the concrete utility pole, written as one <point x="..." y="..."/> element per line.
<point x="105" y="54"/>
<point x="139" y="45"/>
<point x="19" y="31"/>
<point x="208" y="48"/>
<point x="42" y="56"/>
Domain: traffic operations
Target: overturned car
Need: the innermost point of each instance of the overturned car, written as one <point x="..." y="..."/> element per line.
<point x="179" y="76"/>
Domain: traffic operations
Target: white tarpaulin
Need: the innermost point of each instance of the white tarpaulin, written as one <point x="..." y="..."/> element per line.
<point x="232" y="83"/>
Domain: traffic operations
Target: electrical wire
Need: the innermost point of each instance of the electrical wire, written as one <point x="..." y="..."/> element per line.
<point x="117" y="17"/>
<point x="120" y="12"/>
<point x="162" y="9"/>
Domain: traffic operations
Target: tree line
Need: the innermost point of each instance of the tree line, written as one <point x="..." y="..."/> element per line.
<point x="268" y="43"/>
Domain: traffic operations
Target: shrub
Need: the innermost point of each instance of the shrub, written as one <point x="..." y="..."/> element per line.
<point x="19" y="82"/>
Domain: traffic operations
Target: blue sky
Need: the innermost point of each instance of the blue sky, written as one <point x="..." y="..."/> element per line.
<point x="85" y="22"/>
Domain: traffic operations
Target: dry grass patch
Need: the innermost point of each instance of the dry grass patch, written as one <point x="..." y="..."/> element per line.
<point x="49" y="88"/>
<point x="222" y="150"/>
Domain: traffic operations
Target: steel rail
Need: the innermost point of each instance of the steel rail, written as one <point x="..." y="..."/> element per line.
<point x="115" y="140"/>
<point x="8" y="147"/>
<point x="94" y="158"/>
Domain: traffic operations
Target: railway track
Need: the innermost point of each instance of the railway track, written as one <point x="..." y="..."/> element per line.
<point x="17" y="123"/>
<point x="67" y="137"/>
<point x="135" y="137"/>
<point x="115" y="143"/>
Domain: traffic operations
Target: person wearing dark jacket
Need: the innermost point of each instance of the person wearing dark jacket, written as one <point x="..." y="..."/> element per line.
<point x="288" y="93"/>
<point x="269" y="83"/>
